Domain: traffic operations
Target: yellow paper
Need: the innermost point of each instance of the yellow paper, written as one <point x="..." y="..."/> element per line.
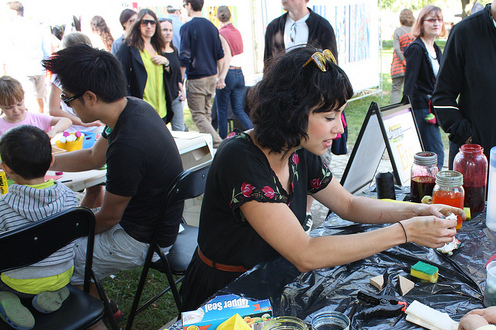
<point x="235" y="322"/>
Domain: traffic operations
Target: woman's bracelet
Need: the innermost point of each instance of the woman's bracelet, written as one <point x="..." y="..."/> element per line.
<point x="404" y="230"/>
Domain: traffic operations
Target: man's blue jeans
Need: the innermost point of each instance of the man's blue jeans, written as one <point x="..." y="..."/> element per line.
<point x="234" y="90"/>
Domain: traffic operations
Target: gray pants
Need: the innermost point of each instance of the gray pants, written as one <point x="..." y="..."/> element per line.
<point x="396" y="89"/>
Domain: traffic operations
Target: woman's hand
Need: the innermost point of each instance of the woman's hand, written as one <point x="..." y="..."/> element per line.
<point x="440" y="210"/>
<point x="160" y="60"/>
<point x="430" y="231"/>
<point x="478" y="318"/>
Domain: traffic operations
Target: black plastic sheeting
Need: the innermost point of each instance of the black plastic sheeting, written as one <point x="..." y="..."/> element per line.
<point x="460" y="287"/>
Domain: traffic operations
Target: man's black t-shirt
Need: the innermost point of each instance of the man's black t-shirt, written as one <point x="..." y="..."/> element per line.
<point x="142" y="161"/>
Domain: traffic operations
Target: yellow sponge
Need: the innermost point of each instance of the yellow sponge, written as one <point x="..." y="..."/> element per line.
<point x="425" y="272"/>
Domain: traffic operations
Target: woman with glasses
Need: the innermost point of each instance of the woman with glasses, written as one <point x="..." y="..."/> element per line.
<point x="174" y="77"/>
<point x="423" y="59"/>
<point x="254" y="204"/>
<point x="145" y="66"/>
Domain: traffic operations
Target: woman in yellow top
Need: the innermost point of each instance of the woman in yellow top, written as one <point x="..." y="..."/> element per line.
<point x="145" y="66"/>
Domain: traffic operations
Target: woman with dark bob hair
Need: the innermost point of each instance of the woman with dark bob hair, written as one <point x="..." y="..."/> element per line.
<point x="255" y="199"/>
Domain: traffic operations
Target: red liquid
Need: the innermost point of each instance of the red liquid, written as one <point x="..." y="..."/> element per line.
<point x="451" y="198"/>
<point x="474" y="198"/>
<point x="421" y="186"/>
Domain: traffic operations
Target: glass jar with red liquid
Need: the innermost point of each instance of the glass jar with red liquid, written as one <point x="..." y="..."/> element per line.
<point x="472" y="163"/>
<point x="423" y="177"/>
<point x="449" y="191"/>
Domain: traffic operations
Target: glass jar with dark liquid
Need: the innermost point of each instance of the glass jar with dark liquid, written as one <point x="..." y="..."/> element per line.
<point x="423" y="177"/>
<point x="472" y="163"/>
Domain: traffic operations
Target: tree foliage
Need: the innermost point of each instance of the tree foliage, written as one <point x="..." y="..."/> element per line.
<point x="397" y="5"/>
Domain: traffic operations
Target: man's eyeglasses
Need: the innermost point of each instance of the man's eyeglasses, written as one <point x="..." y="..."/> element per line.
<point x="185" y="4"/>
<point x="292" y="32"/>
<point x="145" y="22"/>
<point x="68" y="100"/>
<point x="320" y="59"/>
<point x="433" y="20"/>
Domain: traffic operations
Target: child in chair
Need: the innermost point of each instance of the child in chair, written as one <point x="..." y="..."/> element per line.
<point x="15" y="113"/>
<point x="26" y="155"/>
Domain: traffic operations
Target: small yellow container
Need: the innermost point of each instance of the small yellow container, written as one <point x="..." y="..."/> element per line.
<point x="4" y="186"/>
<point x="71" y="146"/>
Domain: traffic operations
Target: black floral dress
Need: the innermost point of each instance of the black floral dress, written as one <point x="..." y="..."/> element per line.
<point x="241" y="173"/>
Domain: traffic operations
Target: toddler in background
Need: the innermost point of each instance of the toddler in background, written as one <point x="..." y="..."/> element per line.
<point x="26" y="156"/>
<point x="14" y="112"/>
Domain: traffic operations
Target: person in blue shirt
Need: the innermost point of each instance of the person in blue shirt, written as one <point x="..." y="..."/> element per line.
<point x="201" y="58"/>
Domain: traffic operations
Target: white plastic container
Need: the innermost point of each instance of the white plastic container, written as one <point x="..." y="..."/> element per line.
<point x="491" y="192"/>
<point x="490" y="291"/>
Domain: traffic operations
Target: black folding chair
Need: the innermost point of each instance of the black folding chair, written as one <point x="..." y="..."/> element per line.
<point x="34" y="242"/>
<point x="189" y="184"/>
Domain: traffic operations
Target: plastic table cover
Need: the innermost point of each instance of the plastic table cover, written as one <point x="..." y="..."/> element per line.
<point x="460" y="287"/>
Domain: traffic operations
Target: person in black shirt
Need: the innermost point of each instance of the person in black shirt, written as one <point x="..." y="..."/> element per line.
<point x="141" y="156"/>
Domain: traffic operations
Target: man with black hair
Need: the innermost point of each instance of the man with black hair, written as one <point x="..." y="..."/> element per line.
<point x="141" y="156"/>
<point x="201" y="58"/>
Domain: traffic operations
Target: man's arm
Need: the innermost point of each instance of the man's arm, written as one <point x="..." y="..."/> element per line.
<point x="183" y="71"/>
<point x="111" y="211"/>
<point x="185" y="52"/>
<point x="223" y="63"/>
<point x="82" y="160"/>
<point x="449" y="85"/>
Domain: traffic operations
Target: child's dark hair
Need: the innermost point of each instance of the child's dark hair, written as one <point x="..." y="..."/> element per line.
<point x="289" y="90"/>
<point x="27" y="151"/>
<point x="11" y="91"/>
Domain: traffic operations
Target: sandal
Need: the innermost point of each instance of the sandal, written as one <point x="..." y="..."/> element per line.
<point x="14" y="313"/>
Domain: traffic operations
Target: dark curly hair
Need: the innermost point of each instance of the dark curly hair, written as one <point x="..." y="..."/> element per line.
<point x="281" y="102"/>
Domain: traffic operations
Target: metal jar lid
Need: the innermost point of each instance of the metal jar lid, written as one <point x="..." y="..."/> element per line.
<point x="449" y="178"/>
<point x="425" y="158"/>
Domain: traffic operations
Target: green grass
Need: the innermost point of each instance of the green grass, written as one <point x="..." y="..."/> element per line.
<point x="122" y="287"/>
